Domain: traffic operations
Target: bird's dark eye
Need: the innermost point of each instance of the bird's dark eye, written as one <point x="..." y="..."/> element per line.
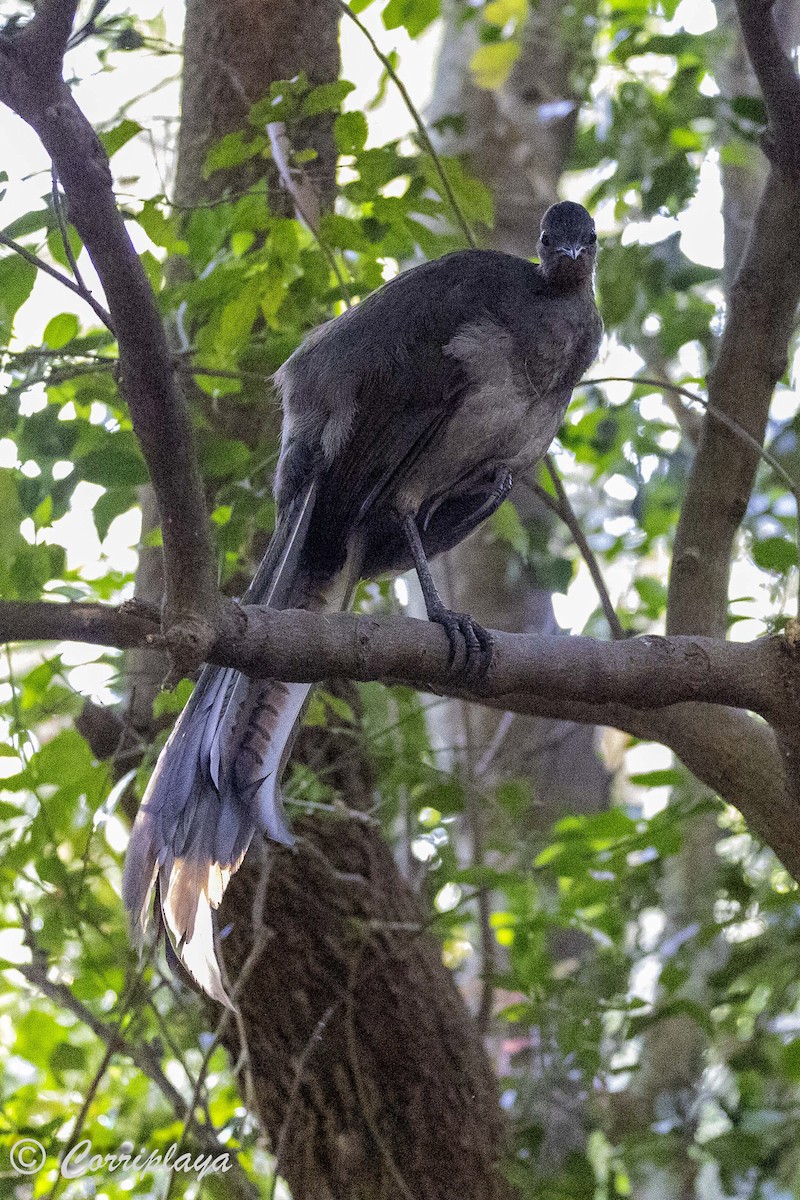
<point x="544" y="239"/>
<point x="592" y="238"/>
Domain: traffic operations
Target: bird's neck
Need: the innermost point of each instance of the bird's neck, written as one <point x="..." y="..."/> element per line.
<point x="573" y="286"/>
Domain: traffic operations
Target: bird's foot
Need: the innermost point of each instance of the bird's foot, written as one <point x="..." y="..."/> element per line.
<point x="464" y="632"/>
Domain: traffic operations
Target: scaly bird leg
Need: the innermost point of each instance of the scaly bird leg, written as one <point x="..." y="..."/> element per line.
<point x="458" y="626"/>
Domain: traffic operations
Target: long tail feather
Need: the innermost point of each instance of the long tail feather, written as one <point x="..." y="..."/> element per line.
<point x="217" y="780"/>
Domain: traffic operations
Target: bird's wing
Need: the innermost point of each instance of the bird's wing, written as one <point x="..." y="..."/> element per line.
<point x="412" y="403"/>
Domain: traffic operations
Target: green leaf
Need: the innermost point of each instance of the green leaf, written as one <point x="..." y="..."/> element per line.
<point x="153" y="269"/>
<point x="17" y="277"/>
<point x="120" y="462"/>
<point x="237" y="320"/>
<point x="232" y="150"/>
<point x="30" y="222"/>
<point x="507" y="526"/>
<point x="653" y="594"/>
<point x="350" y="131"/>
<point x="663" y="778"/>
<point x="67" y="1057"/>
<point x="326" y="97"/>
<point x="64" y="759"/>
<point x="413" y="15"/>
<point x="790" y="1060"/>
<point x="60" y="330"/>
<point x="10" y="537"/>
<point x="43" y="513"/>
<point x="55" y="244"/>
<point x="114" y="139"/>
<point x="113" y="502"/>
<point x="473" y="197"/>
<point x="500" y="12"/>
<point x="162" y="229"/>
<point x="775" y="554"/>
<point x="343" y="233"/>
<point x="491" y="64"/>
<point x="221" y="457"/>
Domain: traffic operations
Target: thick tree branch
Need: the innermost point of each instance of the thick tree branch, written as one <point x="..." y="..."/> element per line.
<point x="780" y="86"/>
<point x="635" y="685"/>
<point x="31" y="85"/>
<point x="294" y="645"/>
<point x="43" y="41"/>
<point x="752" y="355"/>
<point x="99" y="624"/>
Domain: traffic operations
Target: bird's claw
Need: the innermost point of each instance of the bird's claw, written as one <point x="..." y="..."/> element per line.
<point x="463" y="631"/>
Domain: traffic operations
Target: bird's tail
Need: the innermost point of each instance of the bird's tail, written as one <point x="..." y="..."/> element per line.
<point x="217" y="780"/>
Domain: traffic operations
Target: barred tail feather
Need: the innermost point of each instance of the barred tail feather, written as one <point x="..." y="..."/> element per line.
<point x="217" y="781"/>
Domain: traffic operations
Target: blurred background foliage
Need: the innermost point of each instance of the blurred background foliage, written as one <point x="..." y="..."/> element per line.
<point x="654" y="136"/>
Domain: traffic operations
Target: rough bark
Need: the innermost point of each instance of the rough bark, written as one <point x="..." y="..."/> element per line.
<point x="367" y="1070"/>
<point x="752" y="354"/>
<point x="232" y="53"/>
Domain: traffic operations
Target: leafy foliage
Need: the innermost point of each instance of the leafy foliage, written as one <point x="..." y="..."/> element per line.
<point x="254" y="282"/>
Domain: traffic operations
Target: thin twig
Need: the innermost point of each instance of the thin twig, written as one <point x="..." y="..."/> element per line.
<point x="710" y="407"/>
<point x="83" y="1114"/>
<point x="417" y="119"/>
<point x="63" y="225"/>
<point x="304" y="197"/>
<point x="46" y="352"/>
<point x="190" y="368"/>
<point x="140" y="1053"/>
<point x="494" y="745"/>
<point x="563" y="509"/>
<point x="729" y="423"/>
<point x="41" y="265"/>
<point x="56" y="377"/>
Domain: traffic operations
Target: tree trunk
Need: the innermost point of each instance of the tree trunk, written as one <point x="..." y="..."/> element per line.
<point x="232" y="53"/>
<point x="365" y="1068"/>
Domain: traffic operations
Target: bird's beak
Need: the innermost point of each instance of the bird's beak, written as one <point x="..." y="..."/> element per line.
<point x="572" y="251"/>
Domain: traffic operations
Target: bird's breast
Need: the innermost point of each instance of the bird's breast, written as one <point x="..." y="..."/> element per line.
<point x="507" y="414"/>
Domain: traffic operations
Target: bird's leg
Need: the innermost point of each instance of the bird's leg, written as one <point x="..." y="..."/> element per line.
<point x="458" y="626"/>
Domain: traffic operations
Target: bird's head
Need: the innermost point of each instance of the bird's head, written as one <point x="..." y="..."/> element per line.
<point x="567" y="243"/>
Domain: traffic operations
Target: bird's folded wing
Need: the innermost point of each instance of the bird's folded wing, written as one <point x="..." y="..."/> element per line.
<point x="416" y="402"/>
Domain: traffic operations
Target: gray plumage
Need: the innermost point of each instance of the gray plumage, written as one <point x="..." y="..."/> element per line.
<point x="404" y="421"/>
